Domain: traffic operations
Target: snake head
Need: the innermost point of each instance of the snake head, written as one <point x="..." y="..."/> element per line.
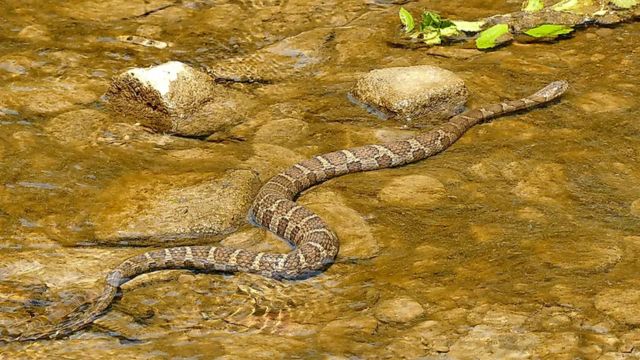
<point x="553" y="90"/>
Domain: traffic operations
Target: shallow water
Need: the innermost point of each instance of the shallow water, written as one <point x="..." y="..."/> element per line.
<point x="520" y="241"/>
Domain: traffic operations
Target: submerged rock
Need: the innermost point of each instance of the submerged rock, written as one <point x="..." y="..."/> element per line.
<point x="413" y="190"/>
<point x="413" y="92"/>
<point x="285" y="132"/>
<point x="174" y="208"/>
<point x="635" y="208"/>
<point x="348" y="335"/>
<point x="88" y="127"/>
<point x="77" y="126"/>
<point x="286" y="58"/>
<point x="175" y="98"/>
<point x="398" y="310"/>
<point x="34" y="32"/>
<point x="356" y="236"/>
<point x="621" y="304"/>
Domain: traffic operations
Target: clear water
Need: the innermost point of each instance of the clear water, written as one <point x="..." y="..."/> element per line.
<point x="520" y="241"/>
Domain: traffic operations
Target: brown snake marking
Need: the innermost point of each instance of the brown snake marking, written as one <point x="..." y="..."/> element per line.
<point x="316" y="246"/>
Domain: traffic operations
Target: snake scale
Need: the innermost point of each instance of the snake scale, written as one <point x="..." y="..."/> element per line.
<point x="315" y="245"/>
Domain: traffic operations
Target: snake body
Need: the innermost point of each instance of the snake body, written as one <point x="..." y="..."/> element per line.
<point x="315" y="245"/>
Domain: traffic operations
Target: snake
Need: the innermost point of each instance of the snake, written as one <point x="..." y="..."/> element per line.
<point x="314" y="245"/>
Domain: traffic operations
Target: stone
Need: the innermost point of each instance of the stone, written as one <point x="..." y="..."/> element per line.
<point x="429" y="257"/>
<point x="76" y="126"/>
<point x="270" y="159"/>
<point x="356" y="236"/>
<point x="149" y="30"/>
<point x="421" y="95"/>
<point x="487" y="232"/>
<point x="61" y="275"/>
<point x="109" y="10"/>
<point x="635" y="208"/>
<point x="360" y="325"/>
<point x="622" y="304"/>
<point x="174" y="208"/>
<point x="88" y="127"/>
<point x="617" y="356"/>
<point x="348" y="335"/>
<point x="404" y="348"/>
<point x="545" y="183"/>
<point x="630" y="341"/>
<point x="175" y="98"/>
<point x="599" y="102"/>
<point x="434" y="335"/>
<point x="46" y="98"/>
<point x="12" y="67"/>
<point x="587" y="255"/>
<point x="412" y="190"/>
<point x="34" y="32"/>
<point x="491" y="342"/>
<point x="282" y="132"/>
<point x="398" y="310"/>
<point x="561" y="344"/>
<point x="283" y="59"/>
<point x="389" y="135"/>
<point x="604" y="32"/>
<point x="256" y="239"/>
<point x="531" y="214"/>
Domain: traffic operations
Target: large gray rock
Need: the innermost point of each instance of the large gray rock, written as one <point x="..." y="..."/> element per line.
<point x="175" y="98"/>
<point x="420" y="95"/>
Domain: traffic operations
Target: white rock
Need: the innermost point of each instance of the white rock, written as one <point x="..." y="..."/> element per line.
<point x="159" y="77"/>
<point x="176" y="98"/>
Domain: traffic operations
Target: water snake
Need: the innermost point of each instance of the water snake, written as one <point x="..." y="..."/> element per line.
<point x="315" y="245"/>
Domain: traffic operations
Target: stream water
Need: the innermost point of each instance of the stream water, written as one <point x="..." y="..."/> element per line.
<point x="521" y="241"/>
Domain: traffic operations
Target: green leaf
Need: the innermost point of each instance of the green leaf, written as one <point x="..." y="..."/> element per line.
<point x="468" y="26"/>
<point x="430" y="19"/>
<point x="432" y="38"/>
<point x="487" y="38"/>
<point x="406" y="19"/>
<point x="624" y="4"/>
<point x="449" y="31"/>
<point x="532" y="5"/>
<point x="549" y="31"/>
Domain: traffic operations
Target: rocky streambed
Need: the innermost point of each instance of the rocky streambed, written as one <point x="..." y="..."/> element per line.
<point x="520" y="241"/>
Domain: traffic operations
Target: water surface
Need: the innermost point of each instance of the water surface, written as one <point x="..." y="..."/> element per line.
<point x="520" y="241"/>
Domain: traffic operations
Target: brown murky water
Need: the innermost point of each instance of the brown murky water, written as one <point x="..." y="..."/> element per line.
<point x="521" y="241"/>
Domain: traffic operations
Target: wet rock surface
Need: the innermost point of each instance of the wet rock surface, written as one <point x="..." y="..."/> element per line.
<point x="357" y="240"/>
<point x="282" y="132"/>
<point x="398" y="310"/>
<point x="527" y="247"/>
<point x="175" y="208"/>
<point x="413" y="190"/>
<point x="352" y="334"/>
<point x="635" y="208"/>
<point x="621" y="304"/>
<point x="413" y="92"/>
<point x="77" y="127"/>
